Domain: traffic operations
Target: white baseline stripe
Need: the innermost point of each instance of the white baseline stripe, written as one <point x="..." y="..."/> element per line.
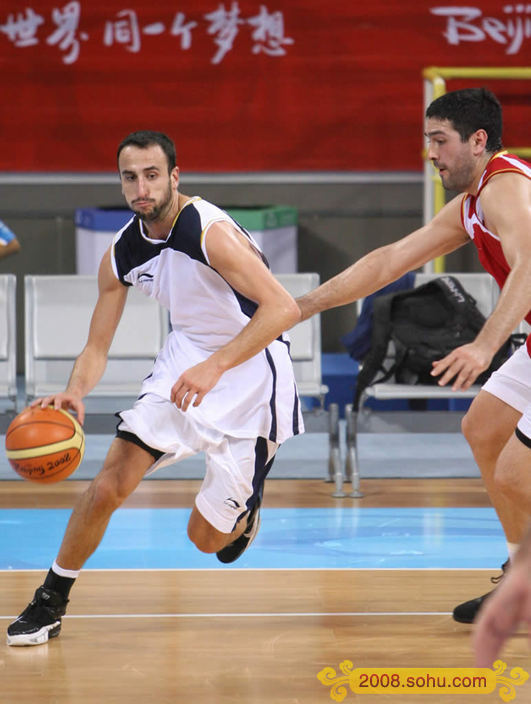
<point x="273" y="569"/>
<point x="273" y="614"/>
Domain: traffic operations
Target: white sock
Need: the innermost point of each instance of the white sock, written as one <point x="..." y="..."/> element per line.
<point x="72" y="574"/>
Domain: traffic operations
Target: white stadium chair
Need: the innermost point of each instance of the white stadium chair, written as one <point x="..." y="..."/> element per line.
<point x="8" y="363"/>
<point x="58" y="310"/>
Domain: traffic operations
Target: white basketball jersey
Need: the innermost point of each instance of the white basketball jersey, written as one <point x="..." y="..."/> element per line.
<point x="257" y="398"/>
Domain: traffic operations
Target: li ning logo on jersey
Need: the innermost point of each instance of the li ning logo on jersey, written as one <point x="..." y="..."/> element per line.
<point x="232" y="503"/>
<point x="144" y="275"/>
<point x="145" y="281"/>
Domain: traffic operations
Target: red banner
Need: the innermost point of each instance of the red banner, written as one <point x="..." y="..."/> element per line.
<point x="244" y="85"/>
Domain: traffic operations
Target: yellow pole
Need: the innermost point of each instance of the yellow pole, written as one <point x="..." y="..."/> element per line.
<point x="507" y="72"/>
<point x="439" y="199"/>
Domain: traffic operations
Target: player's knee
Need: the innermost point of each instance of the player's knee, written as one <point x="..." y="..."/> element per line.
<point x="483" y="438"/>
<point x="473" y="423"/>
<point x="470" y="430"/>
<point x="106" y="494"/>
<point x="204" y="536"/>
<point x="205" y="541"/>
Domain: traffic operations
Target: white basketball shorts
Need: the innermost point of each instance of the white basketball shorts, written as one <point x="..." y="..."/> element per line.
<point x="512" y="381"/>
<point x="235" y="467"/>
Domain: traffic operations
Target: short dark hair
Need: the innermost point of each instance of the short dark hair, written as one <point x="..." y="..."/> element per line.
<point x="469" y="110"/>
<point x="146" y="138"/>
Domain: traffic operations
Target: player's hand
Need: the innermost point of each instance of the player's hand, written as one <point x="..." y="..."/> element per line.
<point x="67" y="401"/>
<point x="501" y="614"/>
<point x="194" y="384"/>
<point x="463" y="365"/>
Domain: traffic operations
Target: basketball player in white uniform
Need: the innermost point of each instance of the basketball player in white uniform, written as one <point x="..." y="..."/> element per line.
<point x="223" y="382"/>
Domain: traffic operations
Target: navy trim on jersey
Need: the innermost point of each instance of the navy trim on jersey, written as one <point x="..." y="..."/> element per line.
<point x="186" y="234"/>
<point x="247" y="306"/>
<point x="295" y="426"/>
<point x="261" y="470"/>
<point x="132" y="249"/>
<point x="522" y="437"/>
<point x="286" y="342"/>
<point x="272" y="400"/>
<point x="131" y="437"/>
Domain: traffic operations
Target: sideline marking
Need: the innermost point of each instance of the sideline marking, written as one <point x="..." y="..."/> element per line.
<point x="302" y="614"/>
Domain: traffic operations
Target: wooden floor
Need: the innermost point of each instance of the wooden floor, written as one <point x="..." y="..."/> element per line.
<point x="246" y="636"/>
<point x="279" y="493"/>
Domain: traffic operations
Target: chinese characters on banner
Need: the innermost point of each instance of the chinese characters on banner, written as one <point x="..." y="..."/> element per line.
<point x="245" y="85"/>
<point x="267" y="30"/>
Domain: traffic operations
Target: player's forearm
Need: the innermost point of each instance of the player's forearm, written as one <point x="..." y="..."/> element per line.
<point x="367" y="275"/>
<point x="87" y="371"/>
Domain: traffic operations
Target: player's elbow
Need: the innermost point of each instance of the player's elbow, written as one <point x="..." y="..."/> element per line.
<point x="290" y="313"/>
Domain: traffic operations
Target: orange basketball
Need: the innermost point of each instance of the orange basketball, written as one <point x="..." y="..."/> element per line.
<point x="44" y="444"/>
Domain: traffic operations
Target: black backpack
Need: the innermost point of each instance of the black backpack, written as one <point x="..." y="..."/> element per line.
<point x="425" y="324"/>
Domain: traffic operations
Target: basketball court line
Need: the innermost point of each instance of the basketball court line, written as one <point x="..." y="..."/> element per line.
<point x="268" y="569"/>
<point x="257" y="614"/>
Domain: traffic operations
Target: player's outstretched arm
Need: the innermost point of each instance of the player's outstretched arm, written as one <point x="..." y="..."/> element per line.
<point x="380" y="267"/>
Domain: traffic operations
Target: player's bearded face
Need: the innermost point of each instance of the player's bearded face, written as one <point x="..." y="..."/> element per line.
<point x="459" y="172"/>
<point x="148" y="186"/>
<point x="155" y="208"/>
<point x="452" y="157"/>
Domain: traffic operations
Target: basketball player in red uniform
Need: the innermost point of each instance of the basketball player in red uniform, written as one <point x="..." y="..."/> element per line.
<point x="463" y="129"/>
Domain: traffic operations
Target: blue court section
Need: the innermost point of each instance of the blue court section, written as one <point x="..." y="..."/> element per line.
<point x="288" y="538"/>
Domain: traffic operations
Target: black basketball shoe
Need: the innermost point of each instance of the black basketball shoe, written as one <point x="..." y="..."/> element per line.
<point x="232" y="551"/>
<point x="40" y="620"/>
<point x="468" y="610"/>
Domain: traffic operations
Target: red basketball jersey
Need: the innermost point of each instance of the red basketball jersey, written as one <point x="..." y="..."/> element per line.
<point x="487" y="243"/>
